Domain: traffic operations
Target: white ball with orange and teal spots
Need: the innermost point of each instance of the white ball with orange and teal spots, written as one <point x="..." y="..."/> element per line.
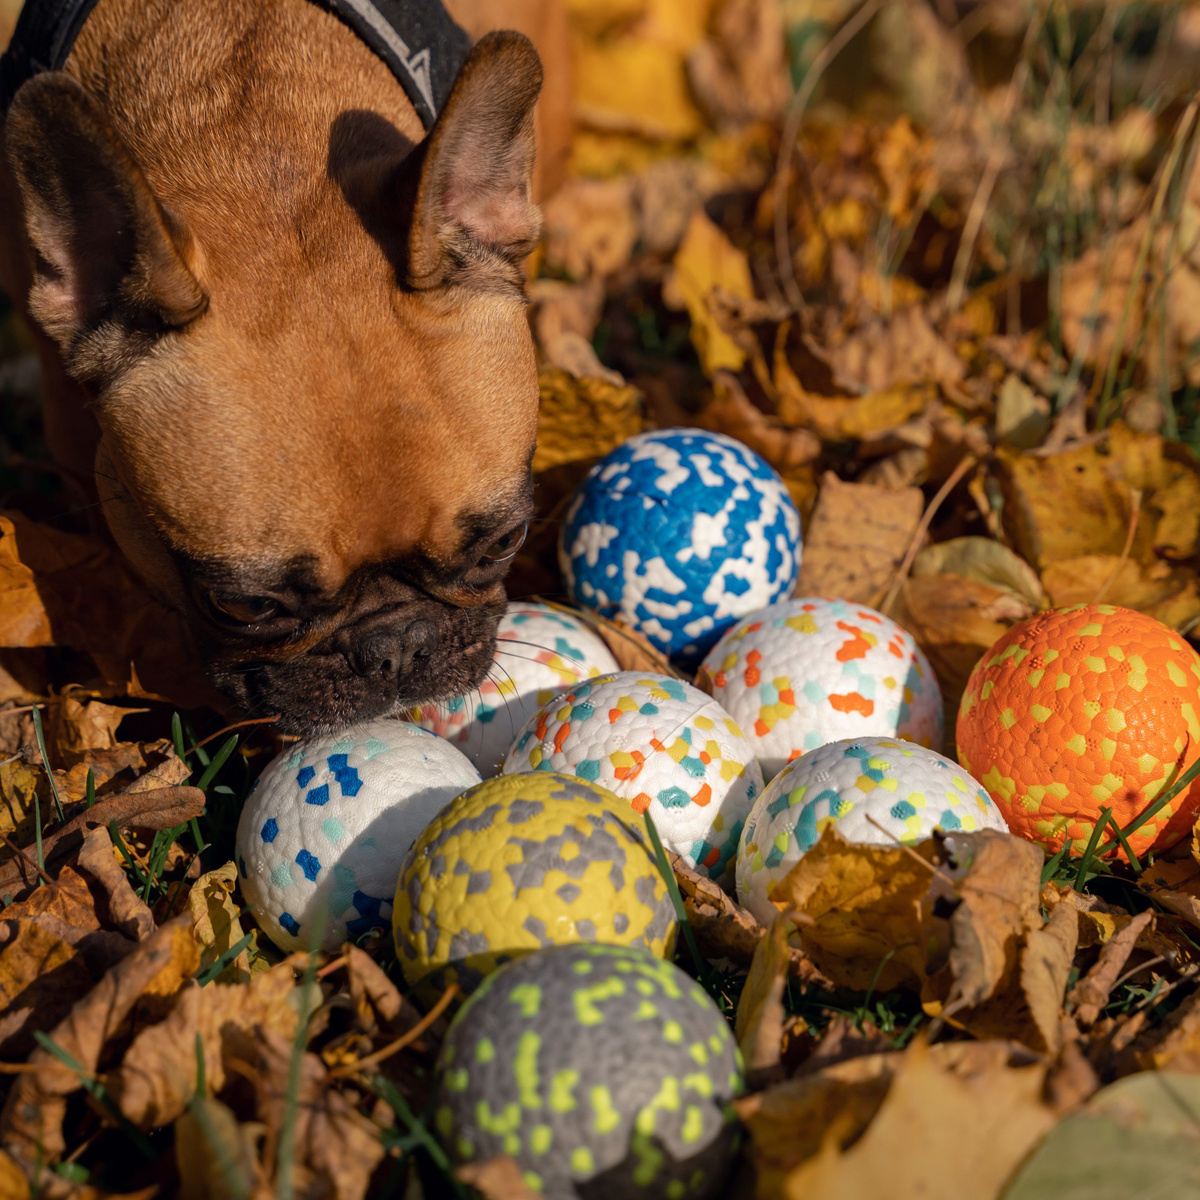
<point x="809" y="671"/>
<point x="878" y="791"/>
<point x="659" y="743"/>
<point x="540" y="651"/>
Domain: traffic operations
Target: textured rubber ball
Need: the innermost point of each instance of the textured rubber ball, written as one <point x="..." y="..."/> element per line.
<point x="603" y="1071"/>
<point x="521" y="862"/>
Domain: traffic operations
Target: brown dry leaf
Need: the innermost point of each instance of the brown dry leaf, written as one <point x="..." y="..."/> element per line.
<point x="983" y="560"/>
<point x="1176" y="886"/>
<point x="376" y="998"/>
<point x="1022" y="415"/>
<point x="723" y="928"/>
<point x="1045" y="964"/>
<point x="731" y="412"/>
<point x="31" y="1122"/>
<point x="159" y="808"/>
<point x="760" y="1012"/>
<point x="940" y="1134"/>
<point x="1079" y="502"/>
<point x="707" y="263"/>
<point x="856" y="539"/>
<point x="1169" y="595"/>
<point x="589" y="227"/>
<point x="337" y="1147"/>
<point x="739" y="73"/>
<point x="19" y="799"/>
<point x="558" y="307"/>
<point x="631" y="648"/>
<point x="215" y="923"/>
<point x="998" y="905"/>
<point x="789" y="1123"/>
<point x="216" y="1156"/>
<point x="125" y="911"/>
<point x="580" y="420"/>
<point x="14" y="1184"/>
<point x="1090" y="994"/>
<point x="888" y="353"/>
<point x="25" y="621"/>
<point x="866" y="925"/>
<point x="157" y="1076"/>
<point x="77" y="726"/>
<point x="496" y="1179"/>
<point x="1172" y="1046"/>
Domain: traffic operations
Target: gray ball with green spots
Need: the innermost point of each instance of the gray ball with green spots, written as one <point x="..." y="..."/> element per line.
<point x="602" y="1070"/>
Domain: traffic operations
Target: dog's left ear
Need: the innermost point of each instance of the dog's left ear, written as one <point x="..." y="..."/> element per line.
<point x="474" y="220"/>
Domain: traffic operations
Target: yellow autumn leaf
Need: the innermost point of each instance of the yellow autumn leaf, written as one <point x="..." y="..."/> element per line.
<point x="215" y="923"/>
<point x="580" y="419"/>
<point x="706" y="262"/>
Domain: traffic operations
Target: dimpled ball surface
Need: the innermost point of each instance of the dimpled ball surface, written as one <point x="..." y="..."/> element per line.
<point x="906" y="789"/>
<point x="662" y="745"/>
<point x="602" y="1071"/>
<point x="678" y="533"/>
<point x="521" y="862"/>
<point x="540" y="651"/>
<point x="323" y="834"/>
<point x="809" y="671"/>
<point x="1081" y="708"/>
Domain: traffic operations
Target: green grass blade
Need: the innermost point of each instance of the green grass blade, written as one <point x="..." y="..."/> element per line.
<point x="177" y="736"/>
<point x="130" y="861"/>
<point x="1089" y="851"/>
<point x="664" y="869"/>
<point x="41" y="744"/>
<point x="395" y="1100"/>
<point x="1182" y="782"/>
<point x="218" y="761"/>
<point x="89" y="788"/>
<point x="1053" y="862"/>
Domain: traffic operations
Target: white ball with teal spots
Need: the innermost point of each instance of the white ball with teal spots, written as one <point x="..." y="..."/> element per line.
<point x="324" y="833"/>
<point x="659" y="743"/>
<point x="678" y="533"/>
<point x="874" y="790"/>
<point x="540" y="651"/>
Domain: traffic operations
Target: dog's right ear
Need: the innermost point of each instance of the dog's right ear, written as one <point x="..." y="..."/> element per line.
<point x="105" y="252"/>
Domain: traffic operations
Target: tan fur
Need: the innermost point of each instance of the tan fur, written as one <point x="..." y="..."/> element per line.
<point x="319" y="409"/>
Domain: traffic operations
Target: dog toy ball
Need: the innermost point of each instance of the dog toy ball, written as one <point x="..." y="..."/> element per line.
<point x="323" y="833"/>
<point x="520" y="862"/>
<point x="662" y="745"/>
<point x="540" y="651"/>
<point x="601" y="1070"/>
<point x="679" y="533"/>
<point x="874" y="790"/>
<point x="1085" y="708"/>
<point x="805" y="672"/>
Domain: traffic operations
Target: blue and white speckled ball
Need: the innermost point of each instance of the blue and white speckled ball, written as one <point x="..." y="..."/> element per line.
<point x="678" y="533"/>
<point x="323" y="834"/>
<point x="874" y="790"/>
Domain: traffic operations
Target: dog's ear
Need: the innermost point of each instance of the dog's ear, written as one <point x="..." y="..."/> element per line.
<point x="105" y="251"/>
<point x="474" y="219"/>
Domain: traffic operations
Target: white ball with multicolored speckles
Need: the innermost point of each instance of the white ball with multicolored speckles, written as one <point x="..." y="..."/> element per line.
<point x="809" y="671"/>
<point x="678" y="533"/>
<point x="540" y="651"/>
<point x="659" y="743"/>
<point x="873" y="790"/>
<point x="323" y="834"/>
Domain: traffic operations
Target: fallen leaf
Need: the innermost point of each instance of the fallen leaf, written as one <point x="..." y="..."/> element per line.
<point x="865" y="925"/>
<point x="1091" y="993"/>
<point x="77" y="726"/>
<point x="376" y="998"/>
<point x="1022" y="416"/>
<point x="1176" y="886"/>
<point x="1135" y="1136"/>
<point x="731" y="412"/>
<point x="31" y="1122"/>
<point x="707" y="262"/>
<point x="739" y="73"/>
<point x="856" y="539"/>
<point x="630" y="647"/>
<point x="1169" y="595"/>
<point x="581" y="420"/>
<point x="760" y="1011"/>
<point x="932" y="1117"/>
<point x="496" y="1179"/>
<point x="124" y="910"/>
<point x="215" y="1155"/>
<point x="1045" y="965"/>
<point x="589" y="227"/>
<point x="983" y="560"/>
<point x="890" y="353"/>
<point x="215" y="923"/>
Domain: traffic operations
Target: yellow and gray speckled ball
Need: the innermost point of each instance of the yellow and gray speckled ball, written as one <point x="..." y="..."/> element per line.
<point x="601" y="1070"/>
<point x="521" y="862"/>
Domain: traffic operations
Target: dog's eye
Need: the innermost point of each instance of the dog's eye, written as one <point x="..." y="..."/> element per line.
<point x="505" y="547"/>
<point x="244" y="610"/>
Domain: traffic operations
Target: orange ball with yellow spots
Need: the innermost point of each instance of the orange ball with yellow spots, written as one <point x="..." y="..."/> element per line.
<point x="1085" y="708"/>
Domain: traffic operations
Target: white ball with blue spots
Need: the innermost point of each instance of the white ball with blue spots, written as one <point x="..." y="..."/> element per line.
<point x="323" y="834"/>
<point x="874" y="790"/>
<point x="678" y="533"/>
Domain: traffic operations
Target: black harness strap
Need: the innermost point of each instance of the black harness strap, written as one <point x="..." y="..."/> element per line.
<point x="417" y="40"/>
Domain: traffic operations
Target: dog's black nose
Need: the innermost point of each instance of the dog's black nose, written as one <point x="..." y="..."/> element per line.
<point x="390" y="652"/>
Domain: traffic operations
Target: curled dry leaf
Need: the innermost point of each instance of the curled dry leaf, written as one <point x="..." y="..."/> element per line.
<point x="1091" y="993"/>
<point x="376" y="998"/>
<point x="215" y="1155"/>
<point x="1045" y="966"/>
<point x="934" y="1116"/>
<point x="1168" y="594"/>
<point x="760" y="1012"/>
<point x="77" y="726"/>
<point x="215" y="923"/>
<point x="1176" y="886"/>
<point x="739" y="73"/>
<point x="31" y="1122"/>
<point x="889" y="353"/>
<point x="856" y="539"/>
<point x="580" y="420"/>
<point x="983" y="560"/>
<point x="732" y="413"/>
<point x="125" y="911"/>
<point x="589" y="229"/>
<point x="868" y="925"/>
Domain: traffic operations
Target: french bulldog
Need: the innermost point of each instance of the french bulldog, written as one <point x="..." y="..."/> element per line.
<point x="285" y="332"/>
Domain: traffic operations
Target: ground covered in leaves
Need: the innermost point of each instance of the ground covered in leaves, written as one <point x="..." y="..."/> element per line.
<point x="938" y="263"/>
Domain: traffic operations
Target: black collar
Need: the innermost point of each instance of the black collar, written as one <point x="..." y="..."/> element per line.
<point x="417" y="40"/>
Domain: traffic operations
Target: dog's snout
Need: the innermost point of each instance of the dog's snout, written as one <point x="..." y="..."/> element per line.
<point x="391" y="652"/>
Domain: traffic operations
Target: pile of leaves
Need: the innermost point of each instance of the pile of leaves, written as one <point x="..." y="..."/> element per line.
<point x="938" y="264"/>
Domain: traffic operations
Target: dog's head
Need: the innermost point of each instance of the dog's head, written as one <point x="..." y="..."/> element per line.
<point x="318" y="449"/>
